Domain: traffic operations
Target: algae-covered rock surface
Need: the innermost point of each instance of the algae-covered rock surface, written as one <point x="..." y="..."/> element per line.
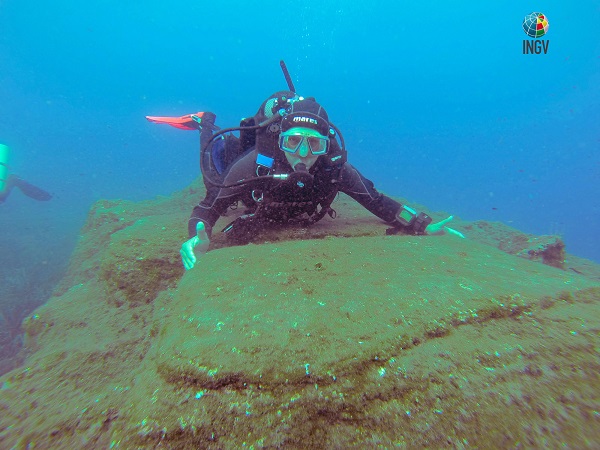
<point x="336" y="336"/>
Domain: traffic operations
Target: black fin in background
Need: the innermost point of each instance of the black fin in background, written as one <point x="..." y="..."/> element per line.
<point x="32" y="191"/>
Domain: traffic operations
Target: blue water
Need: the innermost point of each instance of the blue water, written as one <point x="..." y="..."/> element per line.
<point x="437" y="103"/>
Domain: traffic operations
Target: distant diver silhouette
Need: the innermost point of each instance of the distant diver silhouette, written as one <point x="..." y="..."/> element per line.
<point x="10" y="181"/>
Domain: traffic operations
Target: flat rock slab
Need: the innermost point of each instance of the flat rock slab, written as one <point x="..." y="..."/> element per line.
<point x="329" y="342"/>
<point x="270" y="315"/>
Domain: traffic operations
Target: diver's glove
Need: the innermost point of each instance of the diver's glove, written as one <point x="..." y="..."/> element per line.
<point x="200" y="243"/>
<point x="441" y="228"/>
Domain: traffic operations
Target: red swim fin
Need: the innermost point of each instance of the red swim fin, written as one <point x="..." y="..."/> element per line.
<point x="187" y="122"/>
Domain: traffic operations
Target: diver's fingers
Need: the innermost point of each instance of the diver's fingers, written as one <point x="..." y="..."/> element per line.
<point x="454" y="232"/>
<point x="187" y="264"/>
<point x="201" y="231"/>
<point x="188" y="258"/>
<point x="441" y="223"/>
<point x="184" y="259"/>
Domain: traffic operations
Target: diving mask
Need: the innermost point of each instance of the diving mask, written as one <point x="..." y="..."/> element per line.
<point x="291" y="142"/>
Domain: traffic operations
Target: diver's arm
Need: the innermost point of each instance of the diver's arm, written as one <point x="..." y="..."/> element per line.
<point x="206" y="213"/>
<point x="204" y="216"/>
<point x="399" y="216"/>
<point x="363" y="191"/>
<point x="217" y="199"/>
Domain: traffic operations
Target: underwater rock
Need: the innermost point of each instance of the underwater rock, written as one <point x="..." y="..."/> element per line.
<point x="550" y="249"/>
<point x="308" y="340"/>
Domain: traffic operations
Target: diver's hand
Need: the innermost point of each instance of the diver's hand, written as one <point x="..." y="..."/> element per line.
<point x="441" y="228"/>
<point x="200" y="243"/>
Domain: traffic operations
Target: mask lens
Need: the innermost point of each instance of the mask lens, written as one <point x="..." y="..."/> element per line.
<point x="318" y="146"/>
<point x="291" y="143"/>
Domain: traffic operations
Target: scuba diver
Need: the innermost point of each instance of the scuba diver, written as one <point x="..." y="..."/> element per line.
<point x="9" y="181"/>
<point x="287" y="166"/>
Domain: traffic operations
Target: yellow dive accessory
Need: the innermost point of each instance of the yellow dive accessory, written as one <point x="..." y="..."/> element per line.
<point x="4" y="155"/>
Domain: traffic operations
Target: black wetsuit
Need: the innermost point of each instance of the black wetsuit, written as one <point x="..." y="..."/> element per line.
<point x="278" y="201"/>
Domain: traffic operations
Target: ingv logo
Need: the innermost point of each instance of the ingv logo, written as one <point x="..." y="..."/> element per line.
<point x="535" y="25"/>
